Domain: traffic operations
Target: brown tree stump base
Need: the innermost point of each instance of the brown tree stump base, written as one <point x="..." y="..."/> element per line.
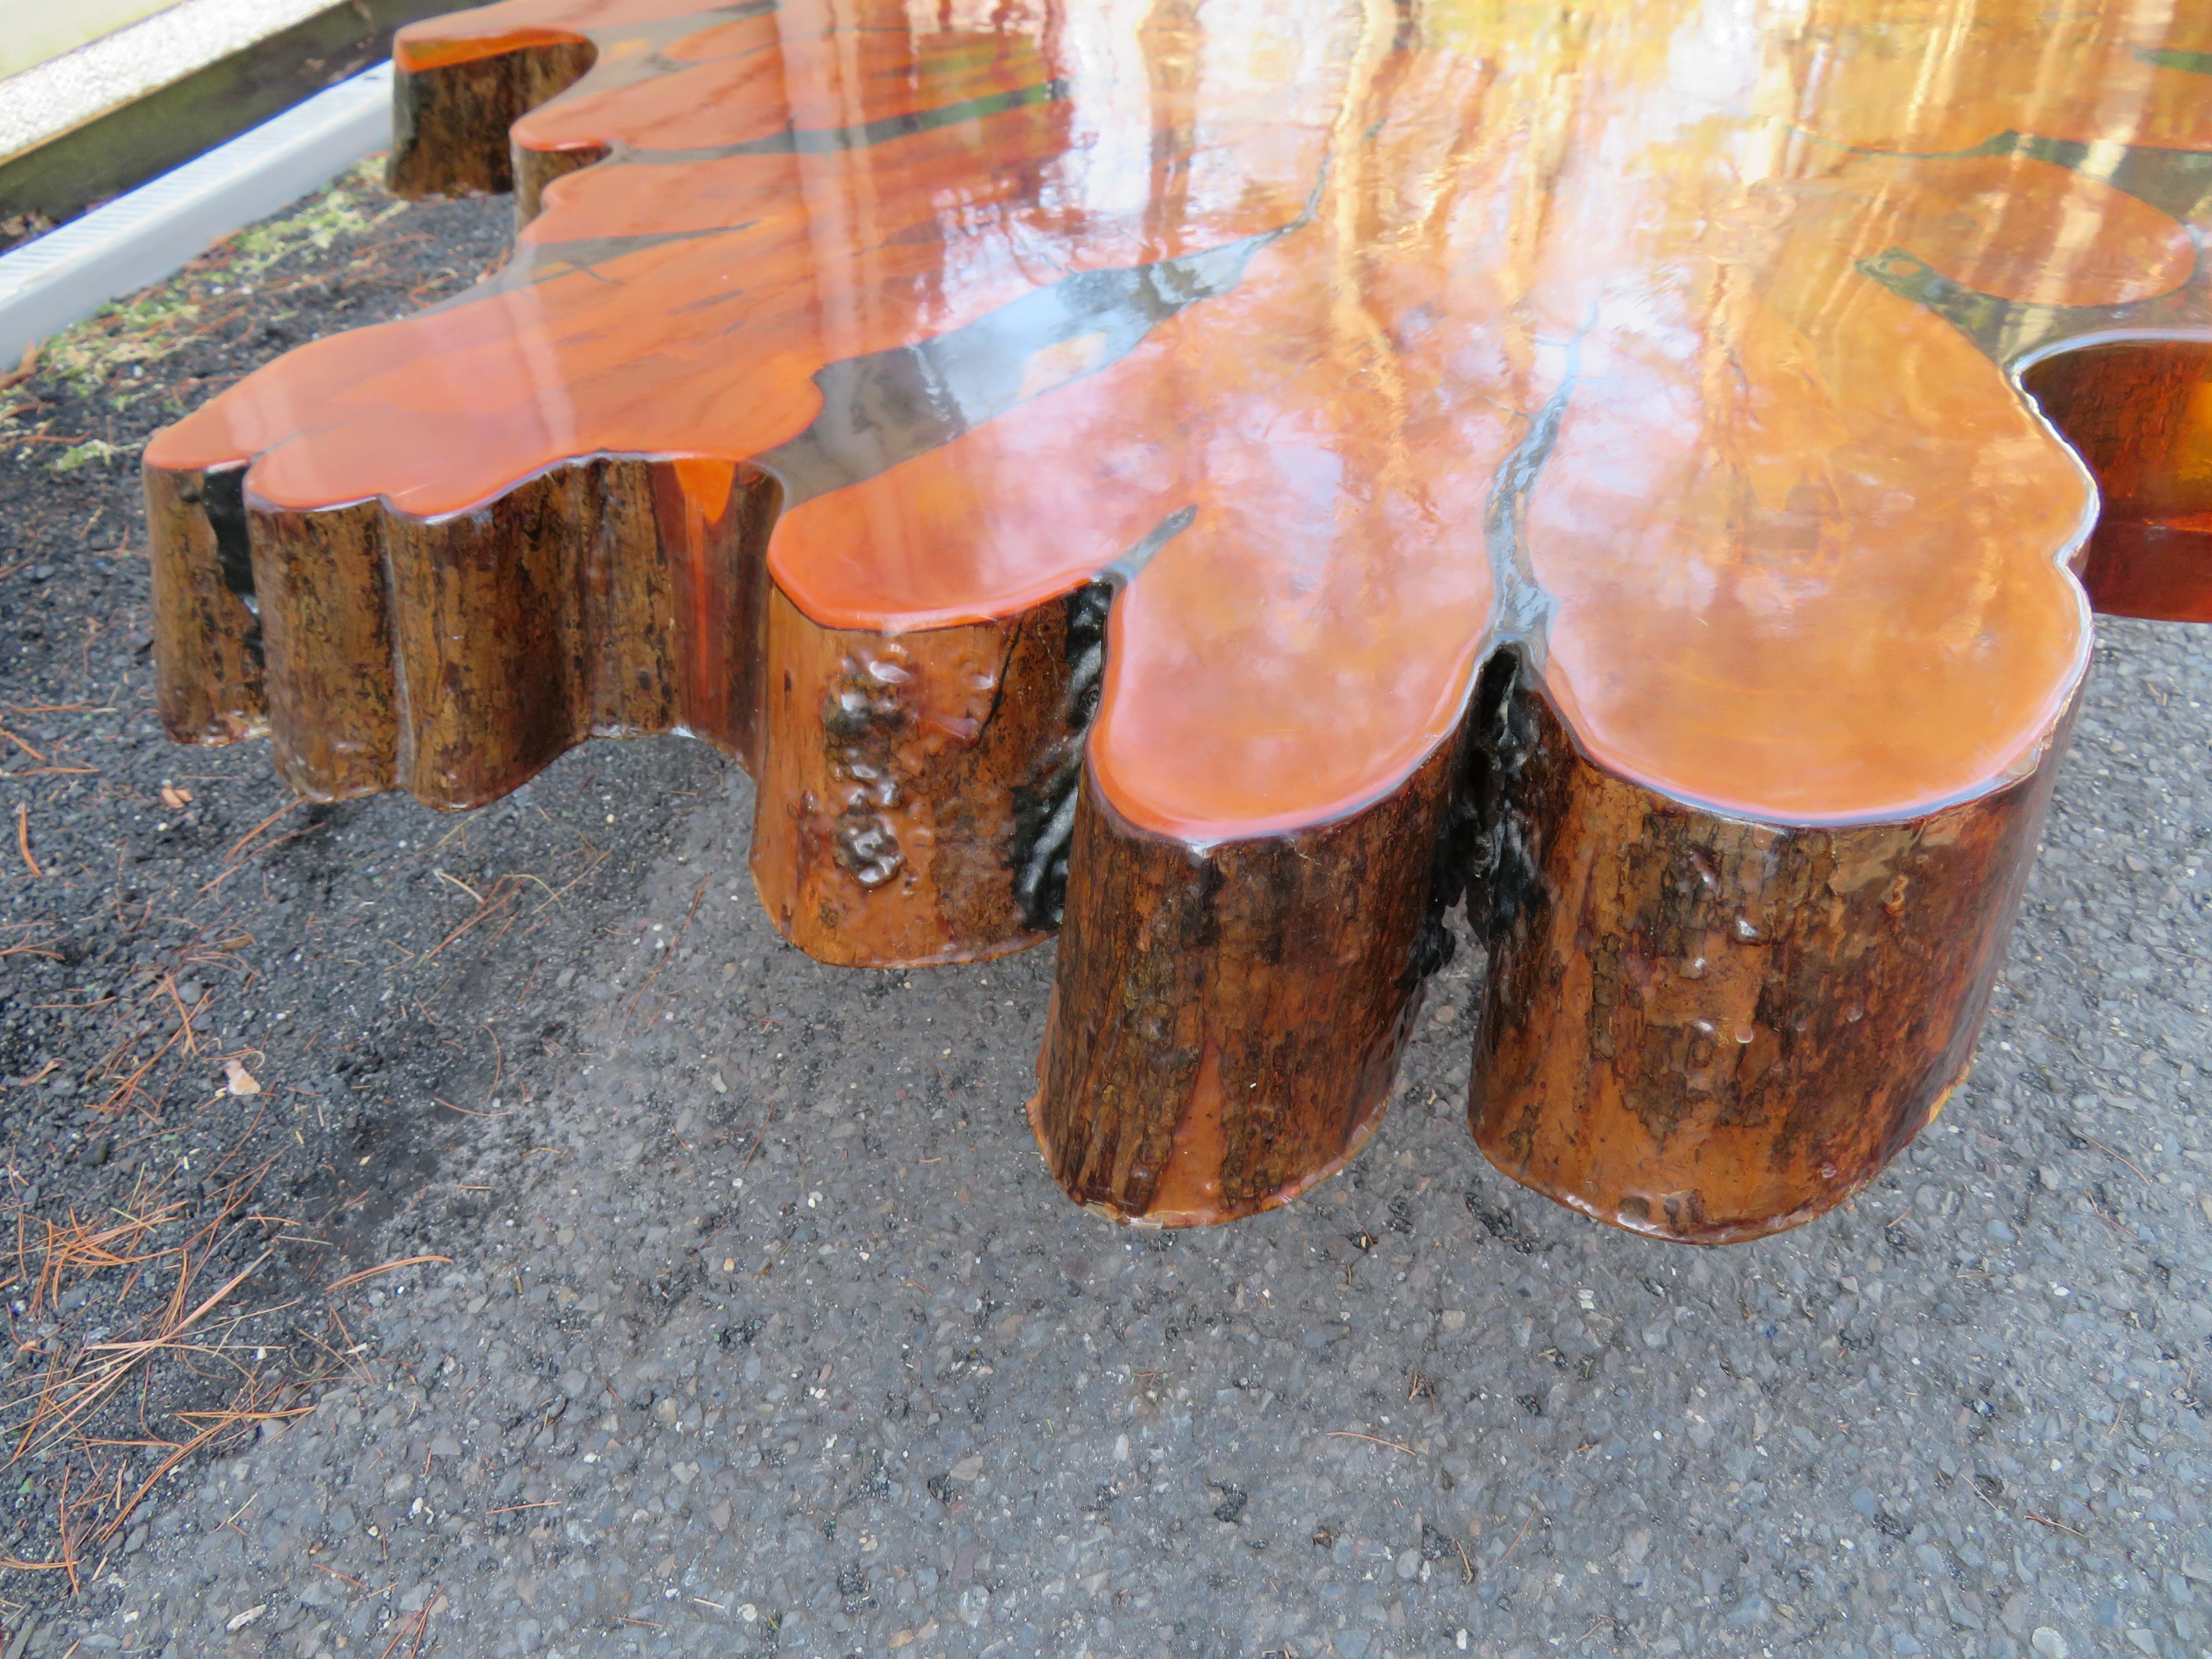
<point x="1257" y="997"/>
<point x="1766" y="1016"/>
<point x="1222" y="491"/>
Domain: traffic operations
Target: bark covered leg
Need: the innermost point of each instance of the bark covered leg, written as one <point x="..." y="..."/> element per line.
<point x="1227" y="1021"/>
<point x="1707" y="1030"/>
<point x="334" y="707"/>
<point x="2139" y="413"/>
<point x="452" y="110"/>
<point x="455" y="657"/>
<point x="207" y="631"/>
<point x="910" y="785"/>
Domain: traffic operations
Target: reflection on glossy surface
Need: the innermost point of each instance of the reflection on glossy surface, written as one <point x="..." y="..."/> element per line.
<point x="1448" y="324"/>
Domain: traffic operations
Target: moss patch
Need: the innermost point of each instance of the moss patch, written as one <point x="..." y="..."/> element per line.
<point x="113" y="356"/>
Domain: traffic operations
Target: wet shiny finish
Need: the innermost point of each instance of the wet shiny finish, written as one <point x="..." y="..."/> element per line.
<point x="1576" y="302"/>
<point x="1673" y="347"/>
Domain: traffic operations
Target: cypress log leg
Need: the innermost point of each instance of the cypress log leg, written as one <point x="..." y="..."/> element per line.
<point x="450" y="119"/>
<point x="334" y="707"/>
<point x="2139" y="412"/>
<point x="906" y="784"/>
<point x="1227" y="1021"/>
<point x="535" y="169"/>
<point x="456" y="657"/>
<point x="712" y="522"/>
<point x="525" y="627"/>
<point x="207" y="637"/>
<point x="1706" y="1030"/>
<point x="915" y="790"/>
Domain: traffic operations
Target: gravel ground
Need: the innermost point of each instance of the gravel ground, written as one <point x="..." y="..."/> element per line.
<point x="764" y="1331"/>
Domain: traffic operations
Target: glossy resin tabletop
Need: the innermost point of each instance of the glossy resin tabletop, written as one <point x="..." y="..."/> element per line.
<point x="1672" y="342"/>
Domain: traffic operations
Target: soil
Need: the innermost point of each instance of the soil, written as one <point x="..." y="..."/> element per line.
<point x="171" y="913"/>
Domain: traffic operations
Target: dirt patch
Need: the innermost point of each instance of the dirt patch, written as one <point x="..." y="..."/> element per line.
<point x="236" y="1029"/>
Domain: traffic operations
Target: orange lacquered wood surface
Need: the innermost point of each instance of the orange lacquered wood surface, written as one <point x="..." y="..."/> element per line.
<point x="1674" y="347"/>
<point x="1528" y="302"/>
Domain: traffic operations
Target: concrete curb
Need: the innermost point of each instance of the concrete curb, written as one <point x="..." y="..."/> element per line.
<point x="140" y="238"/>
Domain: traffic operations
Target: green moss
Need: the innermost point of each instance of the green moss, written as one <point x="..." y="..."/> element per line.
<point x="95" y="356"/>
<point x="144" y="329"/>
<point x="352" y="206"/>
<point x="93" y="452"/>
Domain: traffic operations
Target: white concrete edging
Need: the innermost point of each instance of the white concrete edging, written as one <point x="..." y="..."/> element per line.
<point x="70" y="273"/>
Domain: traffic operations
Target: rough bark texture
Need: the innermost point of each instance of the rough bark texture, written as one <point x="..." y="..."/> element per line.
<point x="1706" y="1030"/>
<point x="450" y="121"/>
<point x="1226" y="1025"/>
<point x="456" y="657"/>
<point x="2139" y="412"/>
<point x="527" y="626"/>
<point x="534" y="169"/>
<point x="334" y="707"/>
<point x="890" y="827"/>
<point x="208" y="682"/>
<point x="908" y="785"/>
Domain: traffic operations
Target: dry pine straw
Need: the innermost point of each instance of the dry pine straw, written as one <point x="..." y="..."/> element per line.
<point x="94" y="1411"/>
<point x="80" y="1411"/>
<point x="156" y="1357"/>
<point x="80" y="1425"/>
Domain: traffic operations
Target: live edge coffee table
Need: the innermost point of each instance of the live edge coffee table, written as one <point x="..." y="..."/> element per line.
<point x="1225" y="482"/>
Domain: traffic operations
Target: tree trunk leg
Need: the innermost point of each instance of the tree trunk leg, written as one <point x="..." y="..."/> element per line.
<point x="496" y="662"/>
<point x="712" y="521"/>
<point x="456" y="658"/>
<point x="450" y="120"/>
<point x="207" y="637"/>
<point x="908" y="784"/>
<point x="535" y="169"/>
<point x="1227" y="1021"/>
<point x="1706" y="1030"/>
<point x="333" y="701"/>
<point x="616" y="597"/>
